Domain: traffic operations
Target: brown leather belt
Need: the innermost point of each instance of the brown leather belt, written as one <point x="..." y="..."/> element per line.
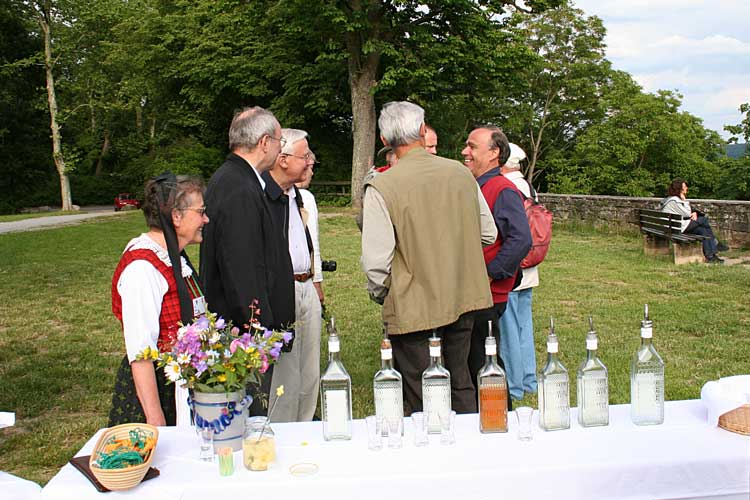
<point x="303" y="277"/>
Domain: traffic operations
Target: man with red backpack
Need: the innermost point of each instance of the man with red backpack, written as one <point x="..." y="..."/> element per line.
<point x="487" y="148"/>
<point x="516" y="326"/>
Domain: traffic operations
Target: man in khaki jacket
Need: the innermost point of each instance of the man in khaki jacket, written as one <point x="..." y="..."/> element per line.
<point x="433" y="275"/>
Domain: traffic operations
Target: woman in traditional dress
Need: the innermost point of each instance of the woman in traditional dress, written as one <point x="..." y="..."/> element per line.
<point x="150" y="295"/>
<point x="694" y="222"/>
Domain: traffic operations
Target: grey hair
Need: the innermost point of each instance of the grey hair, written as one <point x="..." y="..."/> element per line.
<point x="291" y="135"/>
<point x="400" y="122"/>
<point x="248" y="127"/>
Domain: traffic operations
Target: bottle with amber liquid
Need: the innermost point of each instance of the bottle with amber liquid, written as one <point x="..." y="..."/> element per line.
<point x="493" y="390"/>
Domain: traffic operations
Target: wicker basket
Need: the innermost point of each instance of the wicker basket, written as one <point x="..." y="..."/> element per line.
<point x="737" y="420"/>
<point x="121" y="479"/>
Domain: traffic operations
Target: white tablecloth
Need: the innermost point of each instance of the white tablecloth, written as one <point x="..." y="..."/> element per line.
<point x="683" y="458"/>
<point x="16" y="488"/>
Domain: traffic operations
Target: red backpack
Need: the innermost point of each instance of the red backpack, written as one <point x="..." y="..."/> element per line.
<point x="540" y="223"/>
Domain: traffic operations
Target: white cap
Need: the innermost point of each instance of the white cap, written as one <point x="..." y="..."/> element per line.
<point x="517" y="155"/>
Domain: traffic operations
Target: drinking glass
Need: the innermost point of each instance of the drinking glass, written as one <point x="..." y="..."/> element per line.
<point x="420" y="429"/>
<point x="448" y="427"/>
<point x="206" y="435"/>
<point x="395" y="432"/>
<point x="374" y="438"/>
<point x="524" y="414"/>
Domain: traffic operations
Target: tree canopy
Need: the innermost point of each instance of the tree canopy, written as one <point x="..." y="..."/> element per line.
<point x="145" y="85"/>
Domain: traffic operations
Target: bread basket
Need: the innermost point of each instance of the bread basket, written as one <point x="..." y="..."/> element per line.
<point x="737" y="420"/>
<point x="126" y="478"/>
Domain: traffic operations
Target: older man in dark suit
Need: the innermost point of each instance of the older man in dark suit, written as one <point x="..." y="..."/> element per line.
<point x="243" y="258"/>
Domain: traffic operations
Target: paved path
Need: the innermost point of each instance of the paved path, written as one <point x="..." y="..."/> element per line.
<point x="57" y="220"/>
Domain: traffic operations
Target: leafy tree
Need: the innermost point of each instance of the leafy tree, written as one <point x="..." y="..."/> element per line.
<point x="25" y="164"/>
<point x="643" y="142"/>
<point x="332" y="64"/>
<point x="742" y="128"/>
<point x="560" y="90"/>
<point x="51" y="16"/>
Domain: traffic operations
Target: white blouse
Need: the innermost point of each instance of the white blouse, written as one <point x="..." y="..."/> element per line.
<point x="142" y="288"/>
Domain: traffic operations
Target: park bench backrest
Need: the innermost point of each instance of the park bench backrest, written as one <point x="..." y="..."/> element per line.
<point x="658" y="221"/>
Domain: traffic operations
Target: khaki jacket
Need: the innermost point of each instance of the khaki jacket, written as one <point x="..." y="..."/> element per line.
<point x="437" y="271"/>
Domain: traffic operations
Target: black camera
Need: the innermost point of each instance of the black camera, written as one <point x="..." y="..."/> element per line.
<point x="328" y="265"/>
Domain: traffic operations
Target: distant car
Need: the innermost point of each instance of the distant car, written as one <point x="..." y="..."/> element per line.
<point x="126" y="201"/>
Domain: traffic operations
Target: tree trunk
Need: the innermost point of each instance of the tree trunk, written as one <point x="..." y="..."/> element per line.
<point x="139" y="119"/>
<point x="57" y="154"/>
<point x="105" y="149"/>
<point x="363" y="114"/>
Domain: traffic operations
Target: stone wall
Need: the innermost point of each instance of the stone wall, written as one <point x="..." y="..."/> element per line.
<point x="730" y="219"/>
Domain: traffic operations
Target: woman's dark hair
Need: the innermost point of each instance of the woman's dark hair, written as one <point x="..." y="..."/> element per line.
<point x="675" y="188"/>
<point x="175" y="192"/>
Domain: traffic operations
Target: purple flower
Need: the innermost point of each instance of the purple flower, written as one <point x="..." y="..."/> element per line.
<point x="287" y="336"/>
<point x="200" y="367"/>
<point x="202" y="322"/>
<point x="275" y="352"/>
<point x="220" y="323"/>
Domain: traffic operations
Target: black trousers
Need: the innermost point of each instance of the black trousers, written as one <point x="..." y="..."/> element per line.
<point x="477" y="356"/>
<point x="411" y="356"/>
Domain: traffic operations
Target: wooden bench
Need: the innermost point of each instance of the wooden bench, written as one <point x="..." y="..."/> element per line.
<point x="662" y="235"/>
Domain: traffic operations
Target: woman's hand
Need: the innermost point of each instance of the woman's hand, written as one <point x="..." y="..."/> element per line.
<point x="694" y="215"/>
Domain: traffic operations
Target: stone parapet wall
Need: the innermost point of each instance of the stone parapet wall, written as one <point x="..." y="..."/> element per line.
<point x="730" y="219"/>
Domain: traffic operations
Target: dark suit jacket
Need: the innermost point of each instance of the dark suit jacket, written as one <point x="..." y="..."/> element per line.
<point x="243" y="257"/>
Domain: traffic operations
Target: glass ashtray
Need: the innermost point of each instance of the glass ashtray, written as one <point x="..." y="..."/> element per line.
<point x="303" y="469"/>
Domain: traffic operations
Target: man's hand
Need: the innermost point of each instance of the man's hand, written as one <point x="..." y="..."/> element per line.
<point x="694" y="216"/>
<point x="319" y="288"/>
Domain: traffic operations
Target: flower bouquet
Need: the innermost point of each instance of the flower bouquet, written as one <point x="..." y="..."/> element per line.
<point x="211" y="355"/>
<point x="216" y="362"/>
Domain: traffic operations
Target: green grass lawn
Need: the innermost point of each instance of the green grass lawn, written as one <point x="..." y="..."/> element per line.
<point x="60" y="343"/>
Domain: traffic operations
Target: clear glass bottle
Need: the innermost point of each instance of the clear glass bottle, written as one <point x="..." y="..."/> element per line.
<point x="436" y="388"/>
<point x="388" y="386"/>
<point x="592" y="385"/>
<point x="553" y="388"/>
<point x="646" y="379"/>
<point x="493" y="390"/>
<point x="335" y="392"/>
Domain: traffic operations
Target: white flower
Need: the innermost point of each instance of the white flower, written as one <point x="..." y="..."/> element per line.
<point x="215" y="337"/>
<point x="213" y="357"/>
<point x="173" y="371"/>
<point x="183" y="358"/>
<point x="181" y="332"/>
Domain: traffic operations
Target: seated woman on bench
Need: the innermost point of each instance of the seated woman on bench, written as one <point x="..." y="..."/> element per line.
<point x="697" y="223"/>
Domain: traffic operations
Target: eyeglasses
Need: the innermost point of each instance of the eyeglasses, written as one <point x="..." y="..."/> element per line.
<point x="282" y="140"/>
<point x="306" y="156"/>
<point x="201" y="210"/>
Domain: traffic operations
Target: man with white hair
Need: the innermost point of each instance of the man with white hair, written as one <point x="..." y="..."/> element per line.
<point x="242" y="262"/>
<point x="516" y="323"/>
<point x="299" y="370"/>
<point x="432" y="277"/>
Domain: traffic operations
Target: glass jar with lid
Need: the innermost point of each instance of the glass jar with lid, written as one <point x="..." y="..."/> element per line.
<point x="258" y="444"/>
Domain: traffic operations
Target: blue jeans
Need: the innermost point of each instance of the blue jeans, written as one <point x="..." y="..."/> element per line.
<point x="517" y="344"/>
<point x="701" y="226"/>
